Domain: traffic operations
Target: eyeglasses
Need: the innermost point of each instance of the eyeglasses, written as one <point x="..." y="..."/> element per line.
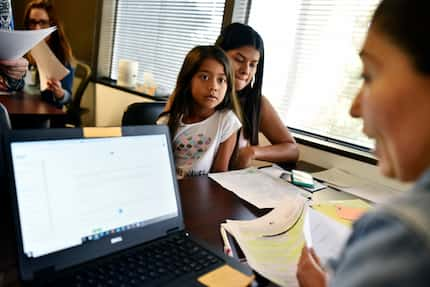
<point x="41" y="23"/>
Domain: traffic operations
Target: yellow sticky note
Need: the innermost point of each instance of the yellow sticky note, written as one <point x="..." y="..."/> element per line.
<point x="102" y="132"/>
<point x="225" y="276"/>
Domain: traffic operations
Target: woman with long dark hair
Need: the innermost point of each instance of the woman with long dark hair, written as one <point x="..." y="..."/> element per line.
<point x="245" y="48"/>
<point x="41" y="14"/>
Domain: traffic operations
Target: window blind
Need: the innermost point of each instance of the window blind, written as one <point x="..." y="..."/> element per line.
<point x="158" y="34"/>
<point x="312" y="67"/>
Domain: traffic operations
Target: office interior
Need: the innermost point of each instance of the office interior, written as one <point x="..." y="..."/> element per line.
<point x="106" y="102"/>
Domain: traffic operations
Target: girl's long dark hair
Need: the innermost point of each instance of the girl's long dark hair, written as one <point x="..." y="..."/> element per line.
<point x="238" y="35"/>
<point x="57" y="42"/>
<point x="182" y="99"/>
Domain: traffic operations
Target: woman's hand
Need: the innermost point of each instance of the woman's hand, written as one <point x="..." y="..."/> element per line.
<point x="244" y="157"/>
<point x="14" y="69"/>
<point x="55" y="87"/>
<point x="309" y="270"/>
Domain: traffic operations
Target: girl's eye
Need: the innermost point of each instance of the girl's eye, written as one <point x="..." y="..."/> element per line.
<point x="222" y="80"/>
<point x="366" y="78"/>
<point x="204" y="77"/>
<point x="238" y="59"/>
<point x="253" y="65"/>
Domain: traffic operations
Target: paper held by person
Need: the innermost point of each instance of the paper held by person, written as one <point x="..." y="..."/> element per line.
<point x="50" y="68"/>
<point x="14" y="44"/>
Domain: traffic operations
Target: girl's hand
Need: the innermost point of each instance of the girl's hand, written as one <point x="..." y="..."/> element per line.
<point x="245" y="157"/>
<point x="55" y="87"/>
<point x="309" y="270"/>
<point x="14" y="69"/>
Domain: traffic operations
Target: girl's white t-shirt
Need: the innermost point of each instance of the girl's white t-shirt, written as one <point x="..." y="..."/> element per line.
<point x="195" y="145"/>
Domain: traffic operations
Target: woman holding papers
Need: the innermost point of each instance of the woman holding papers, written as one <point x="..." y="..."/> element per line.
<point x="40" y="14"/>
<point x="390" y="246"/>
<point x="12" y="71"/>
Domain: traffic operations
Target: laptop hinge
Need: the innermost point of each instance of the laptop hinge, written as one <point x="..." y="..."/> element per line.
<point x="44" y="273"/>
<point x="172" y="230"/>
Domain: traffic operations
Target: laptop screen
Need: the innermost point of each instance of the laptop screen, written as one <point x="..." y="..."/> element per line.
<point x="71" y="191"/>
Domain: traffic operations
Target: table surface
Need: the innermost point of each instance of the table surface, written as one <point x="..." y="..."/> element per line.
<point x="23" y="103"/>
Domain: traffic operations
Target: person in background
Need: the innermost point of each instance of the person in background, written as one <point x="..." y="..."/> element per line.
<point x="204" y="115"/>
<point x="390" y="246"/>
<point x="245" y="48"/>
<point x="41" y="14"/>
<point x="12" y="71"/>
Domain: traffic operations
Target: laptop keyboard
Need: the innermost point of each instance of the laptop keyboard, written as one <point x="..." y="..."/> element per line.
<point x="153" y="264"/>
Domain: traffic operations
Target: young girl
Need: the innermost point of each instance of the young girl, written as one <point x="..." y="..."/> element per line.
<point x="204" y="116"/>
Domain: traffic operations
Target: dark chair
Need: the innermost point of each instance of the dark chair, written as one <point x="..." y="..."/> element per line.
<point x="81" y="80"/>
<point x="5" y="127"/>
<point x="145" y="113"/>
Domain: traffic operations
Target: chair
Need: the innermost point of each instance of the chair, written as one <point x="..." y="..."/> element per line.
<point x="80" y="83"/>
<point x="5" y="127"/>
<point x="145" y="113"/>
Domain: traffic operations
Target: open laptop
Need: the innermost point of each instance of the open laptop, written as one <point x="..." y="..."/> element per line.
<point x="102" y="211"/>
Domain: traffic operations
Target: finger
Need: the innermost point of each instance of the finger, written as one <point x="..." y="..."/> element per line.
<point x="21" y="62"/>
<point x="314" y="256"/>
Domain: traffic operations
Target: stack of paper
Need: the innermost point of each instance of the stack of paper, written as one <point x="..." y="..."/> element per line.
<point x="355" y="185"/>
<point x="261" y="187"/>
<point x="272" y="243"/>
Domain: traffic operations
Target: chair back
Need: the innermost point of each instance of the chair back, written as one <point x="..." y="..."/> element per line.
<point x="5" y="127"/>
<point x="80" y="82"/>
<point x="144" y="113"/>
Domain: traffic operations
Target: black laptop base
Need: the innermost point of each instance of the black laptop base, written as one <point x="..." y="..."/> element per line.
<point x="177" y="259"/>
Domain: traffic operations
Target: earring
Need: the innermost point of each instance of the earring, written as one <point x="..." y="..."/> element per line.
<point x="252" y="82"/>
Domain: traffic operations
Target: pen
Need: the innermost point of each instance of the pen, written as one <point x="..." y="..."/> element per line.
<point x="227" y="248"/>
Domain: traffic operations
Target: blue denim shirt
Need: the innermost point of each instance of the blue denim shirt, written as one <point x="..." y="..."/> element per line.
<point x="389" y="246"/>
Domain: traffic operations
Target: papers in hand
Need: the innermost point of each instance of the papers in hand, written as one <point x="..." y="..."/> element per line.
<point x="356" y="185"/>
<point x="14" y="44"/>
<point x="50" y="68"/>
<point x="272" y="243"/>
<point x="325" y="235"/>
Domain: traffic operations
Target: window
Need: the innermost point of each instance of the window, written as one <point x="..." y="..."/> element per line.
<point x="312" y="69"/>
<point x="157" y="34"/>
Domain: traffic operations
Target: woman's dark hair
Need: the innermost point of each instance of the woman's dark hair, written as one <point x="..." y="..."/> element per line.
<point x="406" y="23"/>
<point x="182" y="98"/>
<point x="57" y="42"/>
<point x="237" y="35"/>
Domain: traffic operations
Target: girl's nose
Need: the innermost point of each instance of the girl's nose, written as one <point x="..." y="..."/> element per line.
<point x="244" y="68"/>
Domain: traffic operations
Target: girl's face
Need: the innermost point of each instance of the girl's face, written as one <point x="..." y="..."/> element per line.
<point x="208" y="86"/>
<point x="394" y="103"/>
<point x="245" y="60"/>
<point x="38" y="19"/>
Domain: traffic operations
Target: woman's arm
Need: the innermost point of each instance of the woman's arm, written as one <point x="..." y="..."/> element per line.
<point x="223" y="155"/>
<point x="283" y="147"/>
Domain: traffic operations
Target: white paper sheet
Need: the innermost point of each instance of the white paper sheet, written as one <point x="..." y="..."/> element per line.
<point x="356" y="185"/>
<point x="14" y="44"/>
<point x="48" y="65"/>
<point x="260" y="187"/>
<point x="325" y="235"/>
